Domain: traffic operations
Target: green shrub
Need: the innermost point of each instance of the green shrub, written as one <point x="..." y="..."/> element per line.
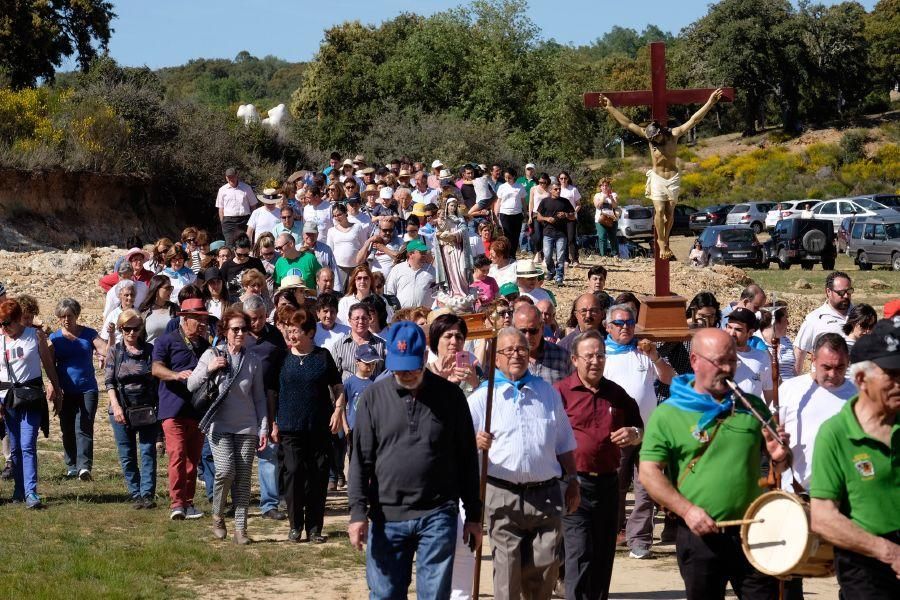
<point x="853" y="145"/>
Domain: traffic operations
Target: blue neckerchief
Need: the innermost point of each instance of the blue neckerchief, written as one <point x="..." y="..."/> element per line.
<point x="614" y="347"/>
<point x="757" y="343"/>
<point x="499" y="378"/>
<point x="683" y="397"/>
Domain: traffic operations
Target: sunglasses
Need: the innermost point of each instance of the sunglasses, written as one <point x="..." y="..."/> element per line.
<point x="504" y="313"/>
<point x="387" y="231"/>
<point x="280" y="247"/>
<point x="130" y="329"/>
<point x="843" y="293"/>
<point x="238" y="329"/>
<point x="189" y="241"/>
<point x="242" y="254"/>
<point x="626" y="323"/>
<point x="529" y="330"/>
<point x="287" y="216"/>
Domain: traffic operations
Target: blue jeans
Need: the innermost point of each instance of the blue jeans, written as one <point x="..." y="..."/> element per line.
<point x="555" y="256"/>
<point x="268" y="478"/>
<point x="390" y="550"/>
<point x="76" y="422"/>
<point x="22" y="427"/>
<point x="140" y="480"/>
<point x="206" y="469"/>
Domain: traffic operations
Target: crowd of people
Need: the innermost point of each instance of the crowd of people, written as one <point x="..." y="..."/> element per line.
<point x="327" y="329"/>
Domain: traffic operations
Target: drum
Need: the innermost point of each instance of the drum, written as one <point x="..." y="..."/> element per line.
<point x="782" y="544"/>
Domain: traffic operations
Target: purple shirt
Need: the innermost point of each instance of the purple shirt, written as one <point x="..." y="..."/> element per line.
<point x="172" y="351"/>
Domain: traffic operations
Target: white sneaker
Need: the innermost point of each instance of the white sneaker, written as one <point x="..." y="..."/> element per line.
<point x="177" y="514"/>
<point x="639" y="553"/>
<point x="192" y="513"/>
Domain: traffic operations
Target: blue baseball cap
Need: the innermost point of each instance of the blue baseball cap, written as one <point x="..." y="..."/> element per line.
<point x="405" y="347"/>
<point x="366" y="353"/>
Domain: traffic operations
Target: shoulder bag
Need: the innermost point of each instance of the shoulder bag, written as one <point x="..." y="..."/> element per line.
<point x="203" y="397"/>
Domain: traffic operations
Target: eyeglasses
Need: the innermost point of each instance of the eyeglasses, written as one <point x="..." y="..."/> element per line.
<point x="514" y="351"/>
<point x="529" y="330"/>
<point x="719" y="364"/>
<point x="588" y="311"/>
<point x="843" y="293"/>
<point x="349" y="187"/>
<point x="362" y="278"/>
<point x="626" y="323"/>
<point x="238" y="329"/>
<point x="361" y="318"/>
<point x="130" y="329"/>
<point x="504" y="313"/>
<point x="597" y="357"/>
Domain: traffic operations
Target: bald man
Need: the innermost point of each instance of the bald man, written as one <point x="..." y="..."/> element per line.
<point x="701" y="413"/>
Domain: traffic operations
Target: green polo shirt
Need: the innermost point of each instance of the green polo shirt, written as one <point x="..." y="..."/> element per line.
<point x="305" y="265"/>
<point x="858" y="472"/>
<point x="726" y="478"/>
<point x="527" y="184"/>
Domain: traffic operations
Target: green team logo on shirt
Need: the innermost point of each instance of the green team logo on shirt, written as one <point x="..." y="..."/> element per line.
<point x="864" y="466"/>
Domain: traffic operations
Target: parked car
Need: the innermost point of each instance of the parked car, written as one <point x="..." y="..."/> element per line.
<point x="840" y="208"/>
<point x="731" y="245"/>
<point x="636" y="222"/>
<point x="750" y="213"/>
<point x="804" y="242"/>
<point x="683" y="214"/>
<point x="875" y="241"/>
<point x="888" y="200"/>
<point x="788" y="210"/>
<point x="711" y="215"/>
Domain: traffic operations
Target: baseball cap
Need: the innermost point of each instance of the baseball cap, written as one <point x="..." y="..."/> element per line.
<point x="416" y="244"/>
<point x="366" y="353"/>
<point x="529" y="166"/>
<point x="881" y="346"/>
<point x="311" y="226"/>
<point x="405" y="347"/>
<point x="509" y="288"/>
<point x="745" y="316"/>
<point x="386" y="192"/>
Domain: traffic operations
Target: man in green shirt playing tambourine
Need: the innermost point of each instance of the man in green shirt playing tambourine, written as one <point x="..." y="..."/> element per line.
<point x="700" y="459"/>
<point x="855" y="482"/>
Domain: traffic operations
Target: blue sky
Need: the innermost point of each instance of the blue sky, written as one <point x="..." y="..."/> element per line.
<point x="162" y="33"/>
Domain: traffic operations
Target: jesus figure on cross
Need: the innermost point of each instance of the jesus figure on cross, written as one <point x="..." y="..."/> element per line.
<point x="663" y="179"/>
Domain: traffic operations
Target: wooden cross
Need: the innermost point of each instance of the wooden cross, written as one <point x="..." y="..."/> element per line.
<point x="658" y="98"/>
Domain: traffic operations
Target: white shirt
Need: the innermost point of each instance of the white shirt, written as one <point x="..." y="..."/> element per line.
<point x="636" y="373"/>
<point x="112" y="317"/>
<point x="804" y="406"/>
<point x="321" y="214"/>
<point x="324" y="337"/>
<point x="112" y="296"/>
<point x="599" y="199"/>
<point x="822" y="320"/>
<point x="537" y="294"/>
<point x="754" y="371"/>
<point x="23" y="355"/>
<point x="412" y="288"/>
<point x="503" y="275"/>
<point x="382" y="261"/>
<point x="530" y="429"/>
<point x="264" y="219"/>
<point x="236" y="201"/>
<point x="571" y="194"/>
<point x="786" y="360"/>
<point x="510" y="197"/>
<point x="364" y="220"/>
<point x="429" y="196"/>
<point x="345" y="244"/>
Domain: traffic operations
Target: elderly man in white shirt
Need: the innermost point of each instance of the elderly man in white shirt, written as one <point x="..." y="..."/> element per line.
<point x="413" y="281"/>
<point x="421" y="192"/>
<point x="265" y="217"/>
<point x="828" y="318"/>
<point x="636" y="366"/>
<point x="530" y="446"/>
<point x="234" y="202"/>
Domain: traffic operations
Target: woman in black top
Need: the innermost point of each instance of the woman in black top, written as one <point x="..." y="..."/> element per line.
<point x="304" y="422"/>
<point x="130" y="384"/>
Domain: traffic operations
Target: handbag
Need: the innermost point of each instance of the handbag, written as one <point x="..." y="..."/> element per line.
<point x="607" y="220"/>
<point x="203" y="397"/>
<point x="137" y="414"/>
<point x="22" y="396"/>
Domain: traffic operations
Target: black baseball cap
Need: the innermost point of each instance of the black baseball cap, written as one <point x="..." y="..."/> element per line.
<point x="745" y="316"/>
<point x="881" y="345"/>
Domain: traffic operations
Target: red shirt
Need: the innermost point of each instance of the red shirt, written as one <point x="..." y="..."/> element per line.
<point x="594" y="416"/>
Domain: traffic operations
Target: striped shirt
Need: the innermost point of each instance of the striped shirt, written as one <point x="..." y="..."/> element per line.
<point x="530" y="428"/>
<point x="343" y="349"/>
<point x="786" y="360"/>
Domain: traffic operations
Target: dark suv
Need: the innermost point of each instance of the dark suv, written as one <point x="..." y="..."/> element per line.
<point x="803" y="241"/>
<point x="709" y="216"/>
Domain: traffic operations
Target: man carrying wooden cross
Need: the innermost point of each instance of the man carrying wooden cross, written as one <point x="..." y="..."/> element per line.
<point x="663" y="179"/>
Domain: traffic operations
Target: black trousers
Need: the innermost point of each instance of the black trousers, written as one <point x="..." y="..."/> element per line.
<point x="589" y="536"/>
<point x="232" y="227"/>
<point x="537" y="237"/>
<point x="305" y="459"/>
<point x="864" y="578"/>
<point x="338" y="454"/>
<point x="707" y="563"/>
<point x="571" y="231"/>
<point x="512" y="229"/>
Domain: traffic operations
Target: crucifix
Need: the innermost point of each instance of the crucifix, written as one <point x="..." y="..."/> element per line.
<point x="663" y="179"/>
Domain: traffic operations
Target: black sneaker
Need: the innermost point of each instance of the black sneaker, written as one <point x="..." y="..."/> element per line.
<point x="316" y="538"/>
<point x="295" y="536"/>
<point x="148" y="502"/>
<point x="138" y="504"/>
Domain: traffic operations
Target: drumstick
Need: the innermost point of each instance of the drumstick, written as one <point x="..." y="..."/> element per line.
<point x="721" y="524"/>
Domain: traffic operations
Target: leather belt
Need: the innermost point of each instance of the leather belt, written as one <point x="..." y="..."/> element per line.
<point x="593" y="475"/>
<point x="520" y="487"/>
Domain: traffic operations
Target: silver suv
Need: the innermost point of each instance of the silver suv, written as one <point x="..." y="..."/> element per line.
<point x="636" y="222"/>
<point x="750" y="213"/>
<point x="875" y="241"/>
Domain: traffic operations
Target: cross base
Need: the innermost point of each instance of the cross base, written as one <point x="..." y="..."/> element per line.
<point x="662" y="319"/>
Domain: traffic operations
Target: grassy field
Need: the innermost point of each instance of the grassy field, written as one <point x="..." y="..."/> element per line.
<point x="90" y="543"/>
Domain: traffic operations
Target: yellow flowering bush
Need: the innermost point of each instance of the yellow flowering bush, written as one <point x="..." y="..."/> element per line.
<point x="822" y="155"/>
<point x="27" y="117"/>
